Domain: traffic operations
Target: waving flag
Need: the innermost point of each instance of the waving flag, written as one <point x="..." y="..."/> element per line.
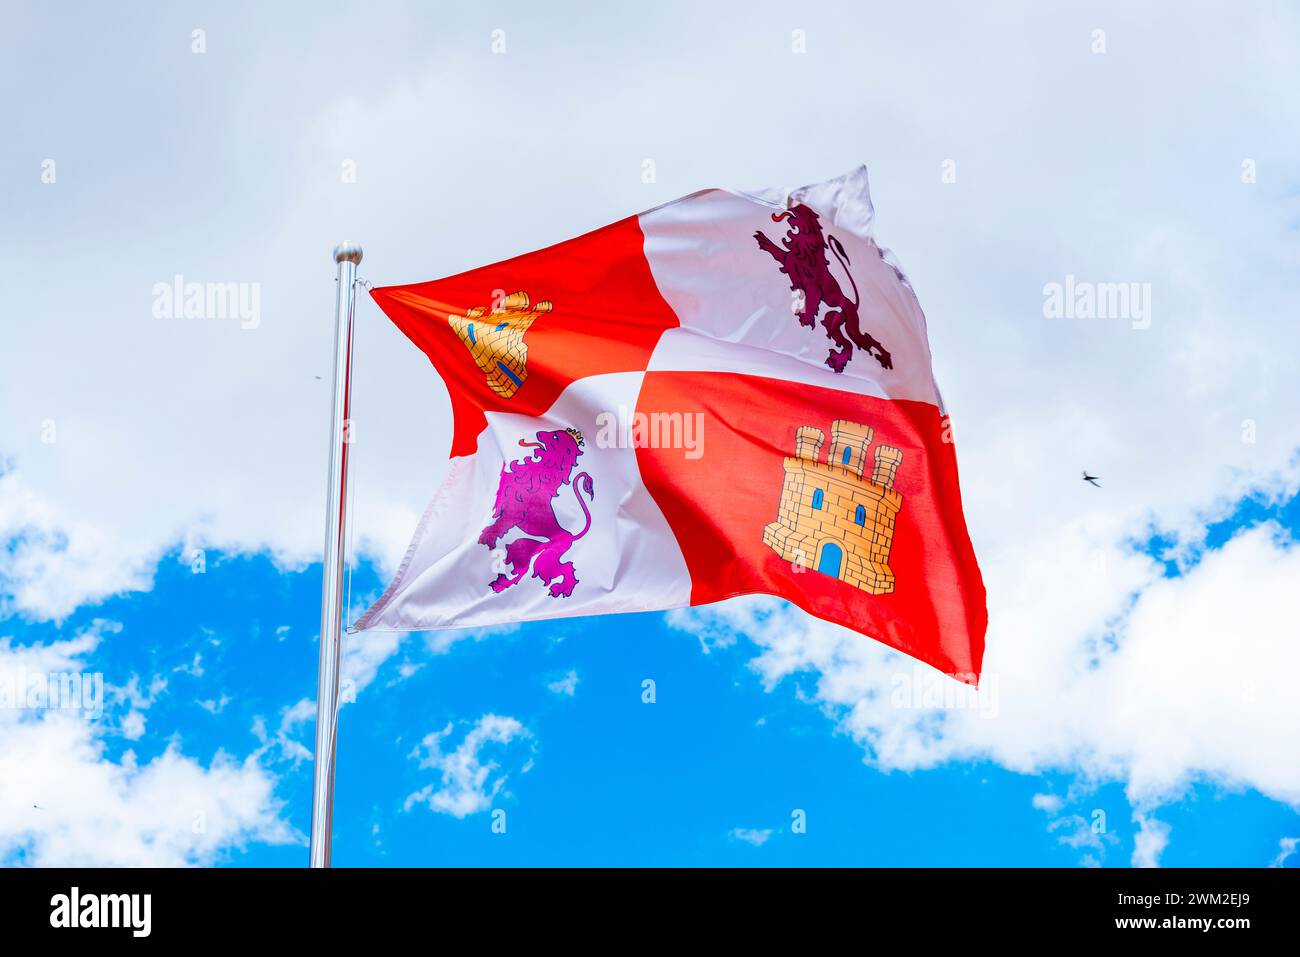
<point x="730" y="394"/>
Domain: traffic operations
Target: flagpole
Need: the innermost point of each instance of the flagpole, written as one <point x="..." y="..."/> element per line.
<point x="347" y="256"/>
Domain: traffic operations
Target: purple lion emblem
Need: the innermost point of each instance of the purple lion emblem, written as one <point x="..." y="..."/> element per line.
<point x="524" y="501"/>
<point x="804" y="260"/>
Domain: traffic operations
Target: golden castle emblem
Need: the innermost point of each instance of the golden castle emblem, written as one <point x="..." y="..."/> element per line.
<point x="496" y="340"/>
<point x="832" y="518"/>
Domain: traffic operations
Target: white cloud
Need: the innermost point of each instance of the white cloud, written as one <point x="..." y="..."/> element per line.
<point x="1150" y="841"/>
<point x="51" y="561"/>
<point x="283" y="744"/>
<point x="567" y="685"/>
<point x="130" y="693"/>
<point x="1125" y="675"/>
<point x="65" y="802"/>
<point x="469" y="781"/>
<point x="194" y="669"/>
<point x="134" y="722"/>
<point x="363" y="655"/>
<point x="405" y="670"/>
<point x="1051" y="803"/>
<point x="215" y="705"/>
<point x="1075" y="830"/>
<point x="133" y="725"/>
<point x="1285" y="848"/>
<point x="751" y="835"/>
<point x="442" y="642"/>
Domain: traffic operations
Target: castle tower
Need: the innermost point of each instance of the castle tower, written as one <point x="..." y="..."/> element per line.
<point x="886" y="467"/>
<point x="808" y="443"/>
<point x="849" y="441"/>
<point x="832" y="518"/>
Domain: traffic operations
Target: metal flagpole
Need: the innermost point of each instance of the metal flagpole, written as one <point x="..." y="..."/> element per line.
<point x="348" y="257"/>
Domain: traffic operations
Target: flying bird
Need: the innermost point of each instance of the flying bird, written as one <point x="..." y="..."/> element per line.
<point x="1091" y="479"/>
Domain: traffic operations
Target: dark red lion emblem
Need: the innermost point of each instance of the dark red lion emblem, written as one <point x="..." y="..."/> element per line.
<point x="804" y="260"/>
<point x="524" y="501"/>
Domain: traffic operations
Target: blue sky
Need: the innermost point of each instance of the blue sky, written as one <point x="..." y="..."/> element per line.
<point x="601" y="778"/>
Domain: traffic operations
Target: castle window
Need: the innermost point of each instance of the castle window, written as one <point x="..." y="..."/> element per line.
<point x="848" y="454"/>
<point x="860" y="516"/>
<point x="817" y="498"/>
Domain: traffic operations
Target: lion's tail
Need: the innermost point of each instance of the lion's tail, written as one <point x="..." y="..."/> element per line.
<point x="838" y="248"/>
<point x="583" y="479"/>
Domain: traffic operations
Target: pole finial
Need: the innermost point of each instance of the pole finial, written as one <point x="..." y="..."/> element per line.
<point x="346" y="252"/>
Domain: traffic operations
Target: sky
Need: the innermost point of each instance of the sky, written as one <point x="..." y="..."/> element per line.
<point x="162" y="487"/>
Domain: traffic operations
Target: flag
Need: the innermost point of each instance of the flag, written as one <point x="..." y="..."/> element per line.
<point x="730" y="394"/>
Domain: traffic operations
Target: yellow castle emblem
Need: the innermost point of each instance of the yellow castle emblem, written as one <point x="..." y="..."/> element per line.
<point x="496" y="340"/>
<point x="832" y="518"/>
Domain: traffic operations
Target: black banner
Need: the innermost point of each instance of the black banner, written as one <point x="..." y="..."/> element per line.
<point x="942" y="906"/>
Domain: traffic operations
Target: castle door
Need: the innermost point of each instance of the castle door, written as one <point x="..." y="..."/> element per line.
<point x="830" y="560"/>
